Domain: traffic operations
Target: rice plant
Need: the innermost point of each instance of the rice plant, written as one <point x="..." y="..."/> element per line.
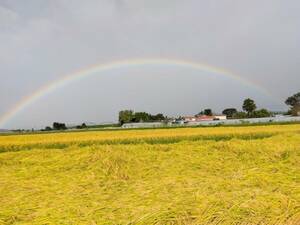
<point x="241" y="175"/>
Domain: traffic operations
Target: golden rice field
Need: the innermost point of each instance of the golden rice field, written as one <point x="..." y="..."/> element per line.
<point x="225" y="175"/>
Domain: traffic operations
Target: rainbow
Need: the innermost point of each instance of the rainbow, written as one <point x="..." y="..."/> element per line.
<point x="100" y="68"/>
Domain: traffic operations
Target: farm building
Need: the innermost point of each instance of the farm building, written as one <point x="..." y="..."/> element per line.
<point x="220" y="117"/>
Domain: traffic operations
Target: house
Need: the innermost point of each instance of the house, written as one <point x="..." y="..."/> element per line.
<point x="199" y="118"/>
<point x="204" y="118"/>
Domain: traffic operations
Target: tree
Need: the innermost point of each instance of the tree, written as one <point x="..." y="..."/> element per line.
<point x="240" y="115"/>
<point x="229" y="112"/>
<point x="82" y="126"/>
<point x="249" y="106"/>
<point x="126" y="116"/>
<point x="48" y="128"/>
<point x="207" y="112"/>
<point x="141" y="117"/>
<point x="295" y="110"/>
<point x="59" y="126"/>
<point x="294" y="102"/>
<point x="261" y="113"/>
<point x="158" y="117"/>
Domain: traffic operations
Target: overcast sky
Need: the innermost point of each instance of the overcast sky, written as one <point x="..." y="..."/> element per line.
<point x="40" y="41"/>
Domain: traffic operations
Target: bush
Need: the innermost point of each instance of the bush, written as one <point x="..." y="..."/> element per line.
<point x="240" y="115"/>
<point x="261" y="113"/>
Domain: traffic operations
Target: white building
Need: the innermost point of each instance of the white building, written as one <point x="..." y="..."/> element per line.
<point x="220" y="117"/>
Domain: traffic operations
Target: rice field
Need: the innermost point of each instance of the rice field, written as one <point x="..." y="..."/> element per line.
<point x="225" y="175"/>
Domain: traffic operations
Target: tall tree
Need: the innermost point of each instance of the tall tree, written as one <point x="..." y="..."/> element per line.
<point x="249" y="106"/>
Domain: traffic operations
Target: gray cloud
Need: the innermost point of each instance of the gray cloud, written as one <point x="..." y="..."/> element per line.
<point x="42" y="40"/>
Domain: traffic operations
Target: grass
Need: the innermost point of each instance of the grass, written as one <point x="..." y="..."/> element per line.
<point x="242" y="175"/>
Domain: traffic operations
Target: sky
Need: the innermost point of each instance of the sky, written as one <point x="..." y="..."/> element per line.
<point x="42" y="41"/>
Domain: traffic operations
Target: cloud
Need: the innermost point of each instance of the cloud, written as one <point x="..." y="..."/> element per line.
<point x="8" y="18"/>
<point x="42" y="40"/>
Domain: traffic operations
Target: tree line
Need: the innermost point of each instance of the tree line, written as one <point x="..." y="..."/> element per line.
<point x="129" y="116"/>
<point x="62" y="126"/>
<point x="249" y="111"/>
<point x="56" y="126"/>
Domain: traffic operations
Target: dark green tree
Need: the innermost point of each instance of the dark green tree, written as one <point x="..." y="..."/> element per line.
<point x="126" y="116"/>
<point x="158" y="117"/>
<point x="229" y="112"/>
<point x="141" y="117"/>
<point x="82" y="126"/>
<point x="207" y="112"/>
<point x="261" y="113"/>
<point x="48" y="128"/>
<point x="294" y="102"/>
<point x="59" y="126"/>
<point x="249" y="106"/>
<point x="240" y="115"/>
